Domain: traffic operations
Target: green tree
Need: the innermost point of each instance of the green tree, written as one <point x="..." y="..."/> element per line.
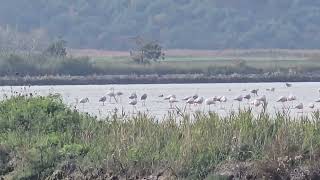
<point x="148" y="52"/>
<point x="57" y="49"/>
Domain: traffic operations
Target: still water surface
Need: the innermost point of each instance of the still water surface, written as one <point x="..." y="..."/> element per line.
<point x="306" y="93"/>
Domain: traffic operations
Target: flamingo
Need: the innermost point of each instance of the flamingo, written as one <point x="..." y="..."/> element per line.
<point x="83" y="101"/>
<point x="254" y="91"/>
<point x="111" y="94"/>
<point x="256" y="102"/>
<point x="133" y="96"/>
<point x="248" y="97"/>
<point x="143" y="98"/>
<point x="282" y="99"/>
<point x="198" y="101"/>
<point x="170" y="96"/>
<point x="311" y="106"/>
<point x="119" y="94"/>
<point x="195" y="96"/>
<point x="299" y="106"/>
<point x="263" y="99"/>
<point x="172" y="100"/>
<point x="103" y="99"/>
<point x="238" y="98"/>
<point x="222" y="99"/>
<point x="133" y="102"/>
<point x="288" y="84"/>
<point x="292" y="97"/>
<point x="190" y="101"/>
<point x="187" y="97"/>
<point x="209" y="102"/>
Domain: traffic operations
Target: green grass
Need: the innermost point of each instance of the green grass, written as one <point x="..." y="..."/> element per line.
<point x="41" y="65"/>
<point x="206" y="65"/>
<point x="43" y="133"/>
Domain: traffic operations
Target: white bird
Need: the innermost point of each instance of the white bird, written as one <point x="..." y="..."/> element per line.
<point x="103" y="99"/>
<point x="216" y="98"/>
<point x="254" y="91"/>
<point x="133" y="102"/>
<point x="195" y="96"/>
<point x="256" y="102"/>
<point x="186" y="98"/>
<point x="272" y="89"/>
<point x="292" y="97"/>
<point x="172" y="100"/>
<point x="111" y="94"/>
<point x="248" y="97"/>
<point x="318" y="100"/>
<point x="238" y="98"/>
<point x="198" y="101"/>
<point x="169" y="96"/>
<point x="161" y="95"/>
<point x="190" y="101"/>
<point x="223" y="99"/>
<point x="263" y="99"/>
<point x="311" y="105"/>
<point x="83" y="101"/>
<point x="288" y="84"/>
<point x="299" y="106"/>
<point x="209" y="102"/>
<point x="144" y="98"/>
<point x="133" y="96"/>
<point x="282" y="99"/>
<point x="119" y="94"/>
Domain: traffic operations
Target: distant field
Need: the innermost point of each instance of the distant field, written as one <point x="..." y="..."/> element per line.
<point x="177" y="54"/>
<point x="212" y="62"/>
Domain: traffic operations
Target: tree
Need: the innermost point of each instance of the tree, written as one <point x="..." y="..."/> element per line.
<point x="57" y="49"/>
<point x="147" y="52"/>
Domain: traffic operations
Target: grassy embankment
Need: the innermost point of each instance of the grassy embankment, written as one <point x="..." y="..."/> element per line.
<point x="41" y="137"/>
<point x="40" y="69"/>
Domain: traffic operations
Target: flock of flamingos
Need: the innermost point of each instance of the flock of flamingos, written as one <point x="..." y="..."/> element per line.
<point x="252" y="98"/>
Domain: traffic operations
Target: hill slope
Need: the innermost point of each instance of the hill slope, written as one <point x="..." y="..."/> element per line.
<point x="194" y="24"/>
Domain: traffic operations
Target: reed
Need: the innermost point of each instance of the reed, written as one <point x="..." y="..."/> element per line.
<point x="40" y="136"/>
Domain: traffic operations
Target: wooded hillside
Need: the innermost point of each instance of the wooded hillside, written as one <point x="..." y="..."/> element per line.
<point x="193" y="24"/>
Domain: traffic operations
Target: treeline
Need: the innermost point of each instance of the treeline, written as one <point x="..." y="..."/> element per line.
<point x="196" y="24"/>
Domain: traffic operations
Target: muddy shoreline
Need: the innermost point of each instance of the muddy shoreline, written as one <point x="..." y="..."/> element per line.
<point x="156" y="79"/>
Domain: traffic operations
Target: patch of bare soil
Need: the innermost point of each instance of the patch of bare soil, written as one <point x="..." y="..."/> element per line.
<point x="284" y="168"/>
<point x="70" y="170"/>
<point x="7" y="161"/>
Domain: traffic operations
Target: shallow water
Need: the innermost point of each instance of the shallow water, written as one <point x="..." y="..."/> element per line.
<point x="305" y="92"/>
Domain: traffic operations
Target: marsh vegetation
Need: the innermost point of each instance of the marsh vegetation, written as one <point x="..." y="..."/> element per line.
<point x="41" y="137"/>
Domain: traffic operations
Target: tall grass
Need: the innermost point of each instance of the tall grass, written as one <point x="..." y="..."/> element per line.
<point x="43" y="133"/>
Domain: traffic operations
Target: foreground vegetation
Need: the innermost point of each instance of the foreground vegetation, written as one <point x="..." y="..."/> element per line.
<point x="40" y="138"/>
